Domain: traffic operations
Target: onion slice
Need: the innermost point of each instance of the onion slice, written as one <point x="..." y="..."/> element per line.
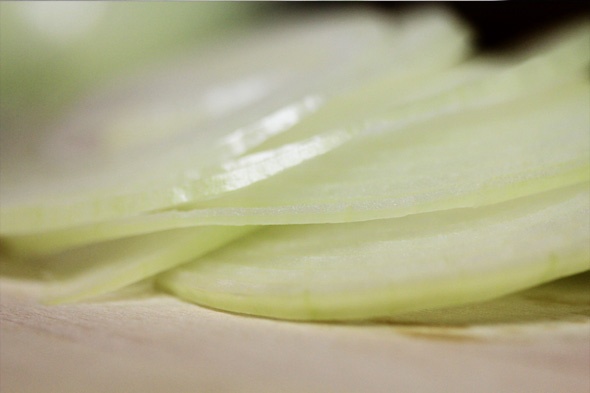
<point x="472" y="159"/>
<point x="180" y="162"/>
<point x="383" y="267"/>
<point x="88" y="272"/>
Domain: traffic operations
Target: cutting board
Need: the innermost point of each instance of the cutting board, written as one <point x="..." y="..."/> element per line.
<point x="142" y="341"/>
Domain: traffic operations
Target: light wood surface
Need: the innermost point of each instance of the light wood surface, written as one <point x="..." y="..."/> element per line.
<point x="147" y="342"/>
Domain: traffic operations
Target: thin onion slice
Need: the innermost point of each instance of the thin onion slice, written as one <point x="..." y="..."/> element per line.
<point x="180" y="172"/>
<point x="482" y="157"/>
<point x="384" y="267"/>
<point x="500" y="153"/>
<point x="88" y="272"/>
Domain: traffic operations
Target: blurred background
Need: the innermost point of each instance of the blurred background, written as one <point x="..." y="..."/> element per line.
<point x="53" y="53"/>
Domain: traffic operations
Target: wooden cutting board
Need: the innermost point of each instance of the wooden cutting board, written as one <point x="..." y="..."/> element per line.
<point x="139" y="341"/>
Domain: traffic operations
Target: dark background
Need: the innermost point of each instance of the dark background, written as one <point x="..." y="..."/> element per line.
<point x="500" y="22"/>
<point x="497" y="24"/>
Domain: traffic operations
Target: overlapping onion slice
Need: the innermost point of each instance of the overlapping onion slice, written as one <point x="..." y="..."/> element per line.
<point x="392" y="174"/>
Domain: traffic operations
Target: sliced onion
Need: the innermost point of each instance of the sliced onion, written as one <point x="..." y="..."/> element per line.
<point x="383" y="267"/>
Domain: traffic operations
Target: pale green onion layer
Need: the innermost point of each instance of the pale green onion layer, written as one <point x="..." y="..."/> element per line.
<point x="384" y="267"/>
